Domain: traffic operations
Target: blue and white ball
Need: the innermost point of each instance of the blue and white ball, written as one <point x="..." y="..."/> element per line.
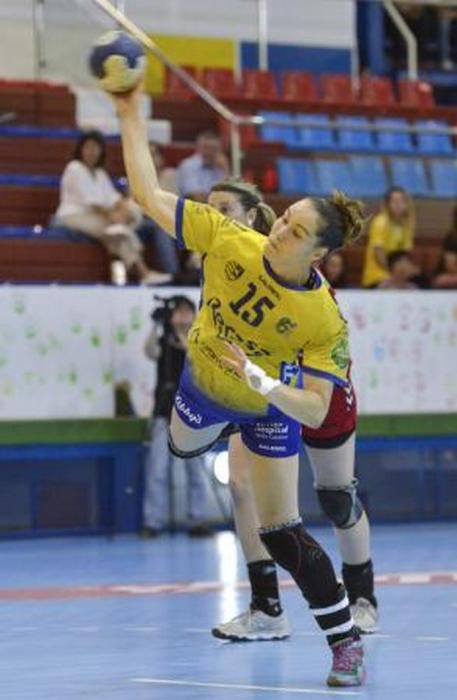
<point x="117" y="61"/>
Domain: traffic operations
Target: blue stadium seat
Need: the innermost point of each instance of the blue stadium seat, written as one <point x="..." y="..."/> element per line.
<point x="316" y="138"/>
<point x="434" y="144"/>
<point x="393" y="141"/>
<point x="296" y="176"/>
<point x="38" y="233"/>
<point x="410" y="174"/>
<point x="334" y="175"/>
<point x="443" y="175"/>
<point x="350" y="139"/>
<point x="369" y="177"/>
<point x="283" y="134"/>
<point x="29" y="180"/>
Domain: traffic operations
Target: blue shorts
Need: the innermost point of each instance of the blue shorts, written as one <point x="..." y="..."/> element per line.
<point x="273" y="435"/>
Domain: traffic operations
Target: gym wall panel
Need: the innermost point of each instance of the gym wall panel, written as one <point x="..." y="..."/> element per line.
<point x="67" y="347"/>
<point x="300" y="58"/>
<point x="193" y="51"/>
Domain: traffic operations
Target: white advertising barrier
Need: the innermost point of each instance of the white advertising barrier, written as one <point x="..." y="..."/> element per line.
<point x="63" y="350"/>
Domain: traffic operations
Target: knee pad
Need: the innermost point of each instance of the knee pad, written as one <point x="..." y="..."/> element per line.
<point x="341" y="505"/>
<point x="293" y="548"/>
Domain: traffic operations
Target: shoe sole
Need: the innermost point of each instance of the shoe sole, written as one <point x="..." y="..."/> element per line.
<point x="334" y="682"/>
<point x="248" y="638"/>
<point x="367" y="630"/>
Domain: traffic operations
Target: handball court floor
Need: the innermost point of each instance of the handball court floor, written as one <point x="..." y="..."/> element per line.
<point x="126" y="619"/>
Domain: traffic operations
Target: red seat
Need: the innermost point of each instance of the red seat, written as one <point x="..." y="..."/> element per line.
<point x="248" y="134"/>
<point x="220" y="82"/>
<point x="337" y="89"/>
<point x="416" y="93"/>
<point x="259" y="85"/>
<point x="298" y="87"/>
<point x="377" y="92"/>
<point x="175" y="87"/>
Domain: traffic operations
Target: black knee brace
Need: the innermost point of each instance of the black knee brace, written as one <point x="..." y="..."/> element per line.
<point x="341" y="505"/>
<point x="296" y="551"/>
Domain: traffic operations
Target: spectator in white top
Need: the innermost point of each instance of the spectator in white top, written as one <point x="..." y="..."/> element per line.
<point x="199" y="172"/>
<point x="90" y="203"/>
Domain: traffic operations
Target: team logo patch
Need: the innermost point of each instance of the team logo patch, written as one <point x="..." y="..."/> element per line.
<point x="340" y="353"/>
<point x="285" y="325"/>
<point x="233" y="270"/>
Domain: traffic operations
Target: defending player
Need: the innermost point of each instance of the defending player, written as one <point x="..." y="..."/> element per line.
<point x="265" y="296"/>
<point x="330" y="450"/>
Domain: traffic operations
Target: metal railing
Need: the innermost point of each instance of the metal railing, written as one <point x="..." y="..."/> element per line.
<point x="115" y="10"/>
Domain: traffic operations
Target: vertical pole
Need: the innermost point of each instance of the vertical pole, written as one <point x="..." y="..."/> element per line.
<point x="355" y="62"/>
<point x="235" y="148"/>
<point x="39" y="38"/>
<point x="408" y="36"/>
<point x="262" y="33"/>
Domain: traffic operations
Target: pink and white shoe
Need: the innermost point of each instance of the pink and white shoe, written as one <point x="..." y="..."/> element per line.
<point x="347" y="668"/>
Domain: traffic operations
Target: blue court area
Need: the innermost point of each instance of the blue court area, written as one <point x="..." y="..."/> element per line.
<point x="99" y="619"/>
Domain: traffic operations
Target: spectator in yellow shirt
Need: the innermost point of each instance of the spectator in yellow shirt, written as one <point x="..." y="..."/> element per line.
<point x="390" y="231"/>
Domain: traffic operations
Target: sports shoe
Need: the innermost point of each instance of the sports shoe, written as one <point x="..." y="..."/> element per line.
<point x="365" y="616"/>
<point x="347" y="668"/>
<point x="253" y="626"/>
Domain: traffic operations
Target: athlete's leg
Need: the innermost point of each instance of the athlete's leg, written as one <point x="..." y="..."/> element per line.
<point x="335" y="482"/>
<point x="188" y="442"/>
<point x="264" y="619"/>
<point x="275" y="482"/>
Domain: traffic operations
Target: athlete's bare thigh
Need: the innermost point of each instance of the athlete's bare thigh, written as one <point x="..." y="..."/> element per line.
<point x="188" y="439"/>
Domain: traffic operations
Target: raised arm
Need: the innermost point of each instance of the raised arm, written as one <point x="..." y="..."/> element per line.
<point x="141" y="172"/>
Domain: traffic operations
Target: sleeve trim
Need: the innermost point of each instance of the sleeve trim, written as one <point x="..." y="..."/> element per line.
<point x="178" y="223"/>
<point x="325" y="375"/>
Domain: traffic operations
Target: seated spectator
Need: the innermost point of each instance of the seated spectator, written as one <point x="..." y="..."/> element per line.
<point x="199" y="172"/>
<point x="446" y="274"/>
<point x="191" y="270"/>
<point x="165" y="250"/>
<point x="90" y="203"/>
<point x="402" y="270"/>
<point x="333" y="270"/>
<point x="389" y="231"/>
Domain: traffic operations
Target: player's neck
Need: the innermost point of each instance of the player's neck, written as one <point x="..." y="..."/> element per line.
<point x="293" y="274"/>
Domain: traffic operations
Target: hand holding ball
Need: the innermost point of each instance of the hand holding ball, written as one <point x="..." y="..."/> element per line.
<point x="117" y="61"/>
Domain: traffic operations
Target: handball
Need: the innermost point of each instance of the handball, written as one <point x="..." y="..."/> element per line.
<point x="117" y="61"/>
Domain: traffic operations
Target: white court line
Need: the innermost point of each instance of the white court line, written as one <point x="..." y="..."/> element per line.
<point x="236" y="686"/>
<point x="84" y="629"/>
<point x="432" y="639"/>
<point x="24" y="629"/>
<point x="140" y="629"/>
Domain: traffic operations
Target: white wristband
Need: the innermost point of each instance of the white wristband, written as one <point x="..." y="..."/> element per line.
<point x="258" y="379"/>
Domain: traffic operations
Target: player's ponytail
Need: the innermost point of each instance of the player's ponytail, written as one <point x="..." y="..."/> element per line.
<point x="264" y="218"/>
<point x="250" y="198"/>
<point x="342" y="220"/>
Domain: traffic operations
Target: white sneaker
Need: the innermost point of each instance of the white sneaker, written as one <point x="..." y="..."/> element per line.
<point x="253" y="626"/>
<point x="365" y="616"/>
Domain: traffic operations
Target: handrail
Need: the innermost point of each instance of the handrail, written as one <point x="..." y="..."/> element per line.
<point x="198" y="89"/>
<point x="408" y="36"/>
<point x="257" y="120"/>
<point x="236" y="120"/>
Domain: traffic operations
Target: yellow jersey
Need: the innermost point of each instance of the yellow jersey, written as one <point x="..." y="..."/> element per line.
<point x="384" y="233"/>
<point x="276" y="324"/>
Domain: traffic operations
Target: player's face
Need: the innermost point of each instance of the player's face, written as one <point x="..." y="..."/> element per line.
<point x="398" y="205"/>
<point x="228" y="204"/>
<point x="293" y="236"/>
